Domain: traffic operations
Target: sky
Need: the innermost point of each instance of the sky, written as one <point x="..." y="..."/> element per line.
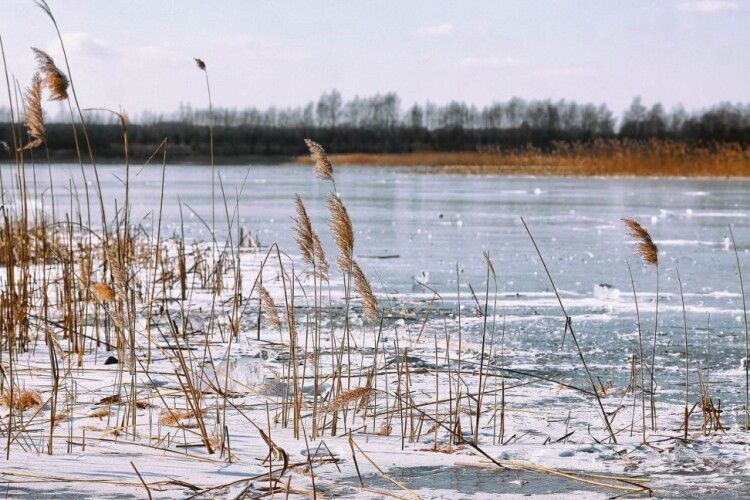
<point x="137" y="54"/>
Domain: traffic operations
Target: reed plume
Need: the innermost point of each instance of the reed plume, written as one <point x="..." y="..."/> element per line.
<point x="268" y="308"/>
<point x="120" y="277"/>
<point x="201" y="65"/>
<point x="321" y="164"/>
<point x="34" y="117"/>
<point x="308" y="240"/>
<point x="343" y="234"/>
<point x="645" y="246"/>
<point x="364" y="290"/>
<point x="55" y="80"/>
<point x="304" y="231"/>
<point x="320" y="257"/>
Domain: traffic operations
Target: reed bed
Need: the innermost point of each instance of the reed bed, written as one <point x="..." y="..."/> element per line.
<point x="118" y="341"/>
<point x="614" y="157"/>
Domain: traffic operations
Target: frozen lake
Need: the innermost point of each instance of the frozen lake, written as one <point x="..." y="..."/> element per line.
<point x="411" y="224"/>
<point x="435" y="223"/>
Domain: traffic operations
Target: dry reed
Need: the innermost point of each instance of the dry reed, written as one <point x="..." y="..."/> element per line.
<point x="648" y="251"/>
<point x="320" y="257"/>
<point x="304" y="231"/>
<point x="30" y="244"/>
<point x="103" y="292"/>
<point x="100" y="413"/>
<point x="321" y="163"/>
<point x="34" y="115"/>
<point x="120" y="277"/>
<point x="602" y="157"/>
<point x="644" y="246"/>
<point x="24" y="400"/>
<point x="364" y="290"/>
<point x="55" y="80"/>
<point x="359" y="394"/>
<point x="343" y="234"/>
<point x="269" y="307"/>
<point x="178" y="417"/>
<point x="121" y="261"/>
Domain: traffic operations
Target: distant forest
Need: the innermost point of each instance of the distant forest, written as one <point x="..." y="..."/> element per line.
<point x="379" y="124"/>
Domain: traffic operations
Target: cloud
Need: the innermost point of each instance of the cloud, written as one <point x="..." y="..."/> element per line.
<point x="490" y="62"/>
<point x="85" y="45"/>
<point x="709" y="6"/>
<point x="436" y="30"/>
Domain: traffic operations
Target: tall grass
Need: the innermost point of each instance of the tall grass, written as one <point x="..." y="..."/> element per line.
<point x="160" y="308"/>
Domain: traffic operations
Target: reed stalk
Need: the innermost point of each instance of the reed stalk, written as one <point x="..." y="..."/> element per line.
<point x="640" y="353"/>
<point x="687" y="358"/>
<point x="747" y="336"/>
<point x="569" y="326"/>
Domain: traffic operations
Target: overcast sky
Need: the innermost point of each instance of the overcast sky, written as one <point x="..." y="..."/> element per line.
<point x="137" y="54"/>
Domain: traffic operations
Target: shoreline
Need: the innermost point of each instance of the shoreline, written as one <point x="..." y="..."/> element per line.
<point x="548" y="165"/>
<point x="478" y="164"/>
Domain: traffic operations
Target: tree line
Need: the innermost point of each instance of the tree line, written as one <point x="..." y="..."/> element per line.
<point x="379" y="124"/>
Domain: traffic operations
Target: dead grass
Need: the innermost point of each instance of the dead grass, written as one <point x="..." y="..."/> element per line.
<point x="29" y="246"/>
<point x="24" y="400"/>
<point x="100" y="413"/>
<point x="653" y="158"/>
<point x="178" y="417"/>
<point x="360" y="394"/>
<point x="102" y="292"/>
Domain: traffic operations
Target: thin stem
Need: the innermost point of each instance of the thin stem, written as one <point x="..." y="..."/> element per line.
<point x="687" y="356"/>
<point x="569" y="326"/>
<point x="747" y="342"/>
<point x="640" y="353"/>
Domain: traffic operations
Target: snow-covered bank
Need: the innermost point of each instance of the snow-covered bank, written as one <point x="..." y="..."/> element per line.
<point x="409" y="431"/>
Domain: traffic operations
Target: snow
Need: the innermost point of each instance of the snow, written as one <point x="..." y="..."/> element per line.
<point x="546" y="424"/>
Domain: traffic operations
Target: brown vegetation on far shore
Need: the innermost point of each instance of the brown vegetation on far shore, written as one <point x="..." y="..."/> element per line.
<point x="657" y="158"/>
